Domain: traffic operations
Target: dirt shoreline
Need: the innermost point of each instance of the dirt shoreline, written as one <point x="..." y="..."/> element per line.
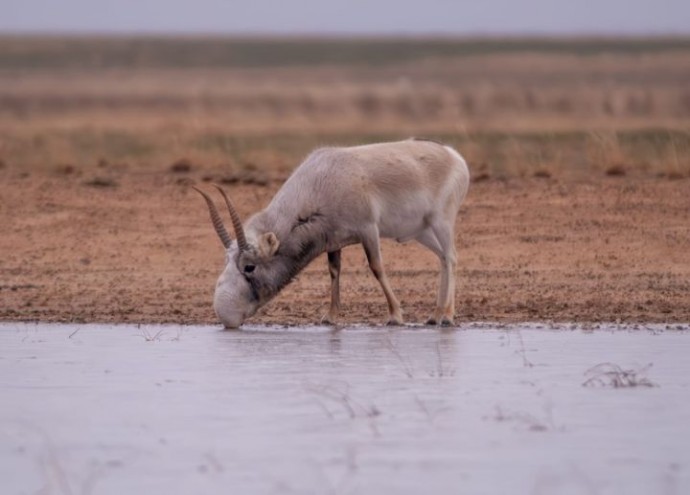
<point x="138" y="247"/>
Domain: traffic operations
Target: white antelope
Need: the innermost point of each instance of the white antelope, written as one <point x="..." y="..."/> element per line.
<point x="340" y="196"/>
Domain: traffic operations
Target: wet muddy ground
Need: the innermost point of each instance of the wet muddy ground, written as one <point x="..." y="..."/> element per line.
<point x="91" y="409"/>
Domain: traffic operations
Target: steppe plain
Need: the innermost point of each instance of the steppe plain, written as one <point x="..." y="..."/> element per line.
<point x="579" y="209"/>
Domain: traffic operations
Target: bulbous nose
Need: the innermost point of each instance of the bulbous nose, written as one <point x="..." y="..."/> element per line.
<point x="232" y="320"/>
<point x="232" y="304"/>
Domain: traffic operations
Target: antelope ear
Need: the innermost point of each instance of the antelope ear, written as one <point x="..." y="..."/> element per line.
<point x="268" y="244"/>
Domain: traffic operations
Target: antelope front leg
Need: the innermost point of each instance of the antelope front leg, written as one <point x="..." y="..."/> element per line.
<point x="334" y="270"/>
<point x="373" y="252"/>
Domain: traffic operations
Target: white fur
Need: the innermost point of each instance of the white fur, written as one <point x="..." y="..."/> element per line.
<point x="408" y="190"/>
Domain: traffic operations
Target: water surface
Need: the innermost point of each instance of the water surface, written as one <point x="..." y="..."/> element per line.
<point x="92" y="409"/>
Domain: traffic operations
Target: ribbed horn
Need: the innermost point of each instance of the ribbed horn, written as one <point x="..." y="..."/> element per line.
<point x="236" y="222"/>
<point x="216" y="220"/>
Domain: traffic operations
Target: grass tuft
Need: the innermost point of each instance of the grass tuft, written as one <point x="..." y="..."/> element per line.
<point x="612" y="375"/>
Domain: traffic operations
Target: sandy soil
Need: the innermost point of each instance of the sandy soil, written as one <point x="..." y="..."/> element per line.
<point x="138" y="247"/>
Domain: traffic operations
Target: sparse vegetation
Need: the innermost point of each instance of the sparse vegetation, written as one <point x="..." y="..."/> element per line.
<point x="341" y="396"/>
<point x="612" y="375"/>
<point x="104" y="52"/>
<point x="353" y="407"/>
<point x="150" y="337"/>
<point x="517" y="108"/>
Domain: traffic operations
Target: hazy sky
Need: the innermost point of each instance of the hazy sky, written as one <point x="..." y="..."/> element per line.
<point x="349" y="17"/>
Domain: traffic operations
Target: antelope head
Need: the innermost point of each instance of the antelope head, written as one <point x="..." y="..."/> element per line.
<point x="239" y="292"/>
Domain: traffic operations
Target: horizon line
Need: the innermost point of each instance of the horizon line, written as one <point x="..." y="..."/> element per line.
<point x="345" y="35"/>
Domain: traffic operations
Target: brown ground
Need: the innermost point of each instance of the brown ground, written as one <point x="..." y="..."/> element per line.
<point x="141" y="249"/>
<point x="584" y="213"/>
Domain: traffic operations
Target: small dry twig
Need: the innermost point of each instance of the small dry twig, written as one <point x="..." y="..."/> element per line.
<point x="151" y="338"/>
<point x="523" y="352"/>
<point x="352" y="407"/>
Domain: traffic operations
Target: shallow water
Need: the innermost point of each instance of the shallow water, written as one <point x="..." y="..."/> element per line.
<point x="95" y="409"/>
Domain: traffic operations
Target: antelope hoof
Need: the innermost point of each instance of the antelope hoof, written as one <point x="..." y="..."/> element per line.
<point x="442" y="322"/>
<point x="395" y="321"/>
<point x="328" y="319"/>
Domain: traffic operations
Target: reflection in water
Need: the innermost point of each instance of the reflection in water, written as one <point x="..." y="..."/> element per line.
<point x="354" y="410"/>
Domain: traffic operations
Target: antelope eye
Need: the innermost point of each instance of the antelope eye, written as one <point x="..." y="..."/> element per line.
<point x="249" y="268"/>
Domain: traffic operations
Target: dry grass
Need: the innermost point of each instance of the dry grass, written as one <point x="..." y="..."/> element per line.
<point x="612" y="375"/>
<point x="515" y="108"/>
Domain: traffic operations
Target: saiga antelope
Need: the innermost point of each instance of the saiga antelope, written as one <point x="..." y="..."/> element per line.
<point x="340" y="196"/>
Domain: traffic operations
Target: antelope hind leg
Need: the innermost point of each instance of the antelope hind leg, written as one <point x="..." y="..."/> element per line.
<point x="442" y="246"/>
